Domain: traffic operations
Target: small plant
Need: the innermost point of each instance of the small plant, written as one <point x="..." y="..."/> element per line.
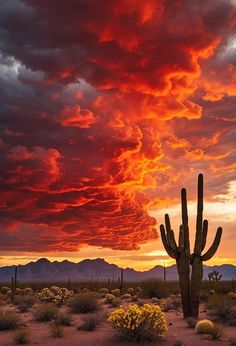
<point x="204" y="326"/>
<point x="109" y="298"/>
<point x="130" y="290"/>
<point x="116" y="292"/>
<point x="103" y="291"/>
<point x="91" y="321"/>
<point x="56" y="329"/>
<point x="64" y="319"/>
<point x="214" y="276"/>
<point x="126" y="296"/>
<point x="9" y="320"/>
<point x="116" y="302"/>
<point x="191" y="322"/>
<point x="84" y="302"/>
<point x="22" y="336"/>
<point x="45" y="312"/>
<point x="139" y="323"/>
<point x="24" y="302"/>
<point x="216" y="331"/>
<point x="222" y="307"/>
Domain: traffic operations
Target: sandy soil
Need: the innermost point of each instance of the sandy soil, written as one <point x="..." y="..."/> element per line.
<point x="104" y="335"/>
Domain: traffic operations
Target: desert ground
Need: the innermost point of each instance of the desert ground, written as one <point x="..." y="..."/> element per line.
<point x="178" y="333"/>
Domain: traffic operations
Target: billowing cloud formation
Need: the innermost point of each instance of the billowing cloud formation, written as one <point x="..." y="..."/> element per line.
<point x="104" y="107"/>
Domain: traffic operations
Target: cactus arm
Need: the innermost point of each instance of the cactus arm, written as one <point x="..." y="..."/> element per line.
<point x="212" y="250"/>
<point x="184" y="209"/>
<point x="170" y="234"/>
<point x="198" y="238"/>
<point x="204" y="233"/>
<point x="168" y="249"/>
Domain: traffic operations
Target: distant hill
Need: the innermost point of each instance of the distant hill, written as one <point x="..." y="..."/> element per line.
<point x="44" y="270"/>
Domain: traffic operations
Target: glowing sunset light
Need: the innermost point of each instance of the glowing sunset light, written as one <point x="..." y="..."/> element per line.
<point x="105" y="115"/>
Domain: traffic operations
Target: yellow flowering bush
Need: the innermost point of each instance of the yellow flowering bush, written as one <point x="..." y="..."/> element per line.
<point x="139" y="322"/>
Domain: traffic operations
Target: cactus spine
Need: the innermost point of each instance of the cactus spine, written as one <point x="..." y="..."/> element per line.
<point x="190" y="287"/>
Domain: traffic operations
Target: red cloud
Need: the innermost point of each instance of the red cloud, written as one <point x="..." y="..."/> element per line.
<point x="103" y="113"/>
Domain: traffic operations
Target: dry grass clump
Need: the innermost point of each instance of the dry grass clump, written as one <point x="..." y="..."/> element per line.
<point x="216" y="331"/>
<point x="64" y="319"/>
<point x="56" y="330"/>
<point x="91" y="321"/>
<point x="84" y="302"/>
<point x="223" y="307"/>
<point x="25" y="302"/>
<point x="191" y="322"/>
<point x="45" y="312"/>
<point x="9" y="320"/>
<point x="22" y="336"/>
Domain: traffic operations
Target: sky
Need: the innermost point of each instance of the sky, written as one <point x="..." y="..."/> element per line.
<point x="107" y="109"/>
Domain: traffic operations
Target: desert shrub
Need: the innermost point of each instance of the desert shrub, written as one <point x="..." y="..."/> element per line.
<point x="155" y="300"/>
<point x="139" y="323"/>
<point x="116" y="302"/>
<point x="4" y="290"/>
<point x="9" y="320"/>
<point x="91" y="321"/>
<point x="223" y="307"/>
<point x="138" y="290"/>
<point x="103" y="291"/>
<point x="154" y="288"/>
<point x="45" y="312"/>
<point x="25" y="302"/>
<point x="171" y="304"/>
<point x="126" y="296"/>
<point x="56" y="329"/>
<point x="109" y="298"/>
<point x="204" y="326"/>
<point x="28" y="290"/>
<point x="64" y="318"/>
<point x="22" y="336"/>
<point x="130" y="290"/>
<point x="216" y="331"/>
<point x="116" y="292"/>
<point x="191" y="322"/>
<point x="211" y="292"/>
<point x="232" y="295"/>
<point x="55" y="294"/>
<point x="84" y="302"/>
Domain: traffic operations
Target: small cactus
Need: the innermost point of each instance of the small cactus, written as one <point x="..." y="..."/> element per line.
<point x="214" y="276"/>
<point x="204" y="326"/>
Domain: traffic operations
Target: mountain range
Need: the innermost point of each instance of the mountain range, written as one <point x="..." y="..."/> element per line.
<point x="44" y="270"/>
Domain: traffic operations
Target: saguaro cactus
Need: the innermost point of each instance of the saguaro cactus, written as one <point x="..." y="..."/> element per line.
<point x="214" y="276"/>
<point x="190" y="287"/>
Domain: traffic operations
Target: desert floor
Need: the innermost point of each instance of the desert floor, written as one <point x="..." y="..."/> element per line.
<point x="105" y="335"/>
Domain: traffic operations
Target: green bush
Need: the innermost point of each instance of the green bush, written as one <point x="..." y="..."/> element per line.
<point x="84" y="302"/>
<point x="9" y="320"/>
<point x="91" y="321"/>
<point x="45" y="312"/>
<point x="22" y="336"/>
